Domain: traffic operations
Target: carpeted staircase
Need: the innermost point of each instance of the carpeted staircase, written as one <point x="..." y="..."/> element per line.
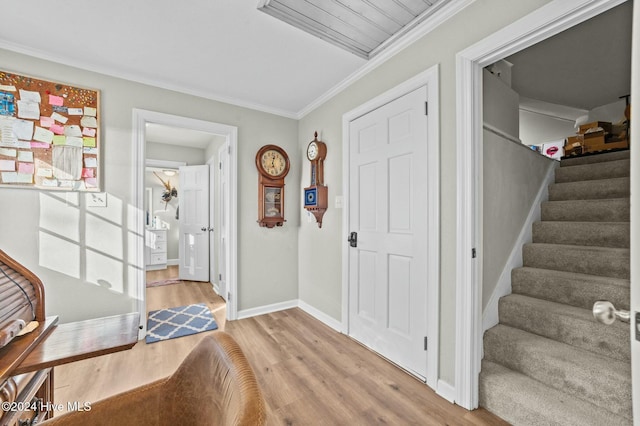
<point x="548" y="361"/>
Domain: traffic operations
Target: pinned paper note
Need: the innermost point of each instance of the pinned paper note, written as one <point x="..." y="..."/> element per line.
<point x="26" y="168"/>
<point x="40" y="145"/>
<point x="75" y="111"/>
<point x="23" y="144"/>
<point x="87" y="173"/>
<point x="45" y="172"/>
<point x="43" y="135"/>
<point x="89" y="142"/>
<point x="89" y="132"/>
<point x="7" y="165"/>
<point x="50" y="182"/>
<point x="73" y="130"/>
<point x="91" y="182"/>
<point x="90" y="111"/>
<point x="23" y="129"/>
<point x="88" y="121"/>
<point x="8" y="152"/>
<point x="28" y="110"/>
<point x="56" y="100"/>
<point x="13" y="177"/>
<point x="90" y="151"/>
<point x="7" y="88"/>
<point x="59" y="140"/>
<point x="25" y="156"/>
<point x="57" y="129"/>
<point x="74" y="141"/>
<point x="30" y="96"/>
<point x="59" y="118"/>
<point x="7" y="138"/>
<point x="46" y="121"/>
<point x="91" y="162"/>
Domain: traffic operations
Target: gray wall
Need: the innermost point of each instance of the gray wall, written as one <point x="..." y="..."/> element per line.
<point x="512" y="177"/>
<point x="83" y="255"/>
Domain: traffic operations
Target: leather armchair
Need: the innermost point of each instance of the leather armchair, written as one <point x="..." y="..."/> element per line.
<point x="214" y="385"/>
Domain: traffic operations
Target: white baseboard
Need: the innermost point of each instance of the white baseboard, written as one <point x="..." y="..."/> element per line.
<point x="267" y="309"/>
<point x="446" y="391"/>
<point x="173" y="262"/>
<point x="503" y="288"/>
<point x="320" y="316"/>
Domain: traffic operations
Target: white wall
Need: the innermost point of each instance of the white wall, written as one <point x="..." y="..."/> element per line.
<point x="320" y="259"/>
<point x="83" y="255"/>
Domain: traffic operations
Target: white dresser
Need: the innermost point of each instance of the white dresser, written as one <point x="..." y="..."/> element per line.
<point x="156" y="249"/>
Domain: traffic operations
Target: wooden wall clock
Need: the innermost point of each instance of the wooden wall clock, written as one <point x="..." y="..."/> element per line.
<point x="273" y="165"/>
<point x="315" y="196"/>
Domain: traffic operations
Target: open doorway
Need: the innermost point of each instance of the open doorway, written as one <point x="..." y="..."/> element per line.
<point x="551" y="19"/>
<point x="161" y="138"/>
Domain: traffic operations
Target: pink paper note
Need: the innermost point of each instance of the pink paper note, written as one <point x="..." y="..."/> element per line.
<point x="92" y="182"/>
<point x="87" y="173"/>
<point x="26" y="168"/>
<point x="57" y="129"/>
<point x="88" y="131"/>
<point x="40" y="145"/>
<point x="46" y="122"/>
<point x="56" y="100"/>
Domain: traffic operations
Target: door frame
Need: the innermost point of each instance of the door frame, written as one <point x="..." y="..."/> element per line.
<point x="136" y="237"/>
<point x="429" y="78"/>
<point x="547" y="21"/>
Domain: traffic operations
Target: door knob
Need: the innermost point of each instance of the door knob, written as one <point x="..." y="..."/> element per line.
<point x="203" y="229"/>
<point x="353" y="239"/>
<point x="606" y="313"/>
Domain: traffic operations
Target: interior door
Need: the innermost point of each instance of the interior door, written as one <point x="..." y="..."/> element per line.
<point x="193" y="201"/>
<point x="388" y="211"/>
<point x="635" y="212"/>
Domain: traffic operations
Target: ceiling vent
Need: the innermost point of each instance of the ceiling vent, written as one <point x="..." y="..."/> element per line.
<point x="363" y="27"/>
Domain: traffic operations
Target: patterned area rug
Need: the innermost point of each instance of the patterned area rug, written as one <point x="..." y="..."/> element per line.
<point x="163" y="282"/>
<point x="170" y="323"/>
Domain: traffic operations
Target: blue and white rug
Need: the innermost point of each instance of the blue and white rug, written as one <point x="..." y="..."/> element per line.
<point x="170" y="323"/>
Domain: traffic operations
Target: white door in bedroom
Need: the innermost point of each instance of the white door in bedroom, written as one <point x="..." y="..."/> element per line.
<point x="193" y="201"/>
<point x="388" y="210"/>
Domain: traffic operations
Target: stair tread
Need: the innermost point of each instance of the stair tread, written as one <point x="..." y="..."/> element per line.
<point x="593" y="171"/>
<point x="610" y="209"/>
<point x="605" y="234"/>
<point x="597" y="158"/>
<point x="568" y="324"/>
<point x="522" y="400"/>
<point x="620" y="250"/>
<point x="601" y="380"/>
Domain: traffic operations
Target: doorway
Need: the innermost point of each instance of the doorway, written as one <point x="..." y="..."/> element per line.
<point x="545" y="22"/>
<point x="142" y="119"/>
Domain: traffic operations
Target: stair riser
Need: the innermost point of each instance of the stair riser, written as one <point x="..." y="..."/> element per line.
<point x="610" y="390"/>
<point x="578" y="291"/>
<point x="603" y="234"/>
<point x="610" y="262"/>
<point x="590" y="190"/>
<point x="586" y="333"/>
<point x="586" y="210"/>
<point x="606" y="170"/>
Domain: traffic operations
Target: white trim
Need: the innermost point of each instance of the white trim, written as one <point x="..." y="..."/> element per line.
<point x="503" y="288"/>
<point x="320" y="316"/>
<point x="166" y="164"/>
<point x="539" y="25"/>
<point x="446" y="391"/>
<point x="431" y="23"/>
<point x="267" y="309"/>
<point x="173" y="262"/>
<point x="139" y="119"/>
<point x="430" y="78"/>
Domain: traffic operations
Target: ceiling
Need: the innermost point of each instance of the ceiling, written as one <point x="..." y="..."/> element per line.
<point x="363" y="27"/>
<point x="228" y="50"/>
<point x="586" y="66"/>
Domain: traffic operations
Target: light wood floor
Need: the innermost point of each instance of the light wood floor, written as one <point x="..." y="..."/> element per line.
<point x="309" y="373"/>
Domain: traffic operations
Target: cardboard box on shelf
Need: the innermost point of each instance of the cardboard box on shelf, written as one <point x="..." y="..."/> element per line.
<point x="606" y="146"/>
<point x="605" y="125"/>
<point x="594" y="138"/>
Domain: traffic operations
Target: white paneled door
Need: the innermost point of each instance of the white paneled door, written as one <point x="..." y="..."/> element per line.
<point x="193" y="200"/>
<point x="388" y="211"/>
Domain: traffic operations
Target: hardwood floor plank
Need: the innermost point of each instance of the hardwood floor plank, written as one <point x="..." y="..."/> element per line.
<point x="309" y="373"/>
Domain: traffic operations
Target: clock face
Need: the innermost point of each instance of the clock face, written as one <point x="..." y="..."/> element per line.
<point x="312" y="151"/>
<point x="273" y="162"/>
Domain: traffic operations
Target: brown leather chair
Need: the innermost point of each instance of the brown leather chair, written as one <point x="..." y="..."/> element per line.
<point x="214" y="385"/>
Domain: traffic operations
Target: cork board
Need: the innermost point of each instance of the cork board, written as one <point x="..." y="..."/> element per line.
<point x="49" y="134"/>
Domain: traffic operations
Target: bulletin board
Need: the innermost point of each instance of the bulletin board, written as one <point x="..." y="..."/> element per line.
<point x="49" y="134"/>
